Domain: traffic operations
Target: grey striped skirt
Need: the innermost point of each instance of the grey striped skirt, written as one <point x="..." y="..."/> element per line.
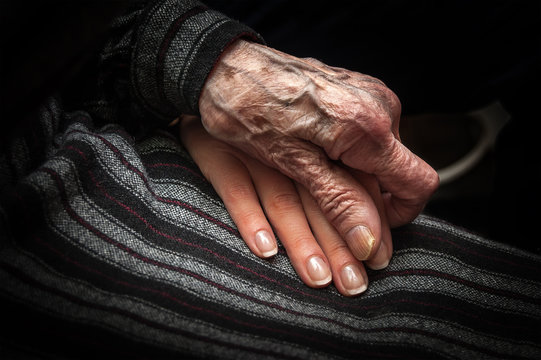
<point x="120" y="248"/>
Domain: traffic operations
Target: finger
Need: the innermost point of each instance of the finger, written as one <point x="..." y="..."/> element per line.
<point x="408" y="180"/>
<point x="381" y="258"/>
<point x="349" y="275"/>
<point x="284" y="210"/>
<point x="233" y="183"/>
<point x="343" y="201"/>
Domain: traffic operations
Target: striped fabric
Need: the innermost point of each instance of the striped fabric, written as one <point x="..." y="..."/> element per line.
<point x="157" y="58"/>
<point x="116" y="247"/>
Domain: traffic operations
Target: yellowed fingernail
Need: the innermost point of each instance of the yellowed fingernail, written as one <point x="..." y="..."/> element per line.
<point x="318" y="271"/>
<point x="265" y="243"/>
<point x="361" y="242"/>
<point x="352" y="280"/>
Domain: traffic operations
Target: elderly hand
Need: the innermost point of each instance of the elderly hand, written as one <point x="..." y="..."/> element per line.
<point x="262" y="201"/>
<point x="298" y="115"/>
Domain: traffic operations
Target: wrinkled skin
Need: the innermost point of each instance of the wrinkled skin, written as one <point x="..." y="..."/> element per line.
<point x="307" y="120"/>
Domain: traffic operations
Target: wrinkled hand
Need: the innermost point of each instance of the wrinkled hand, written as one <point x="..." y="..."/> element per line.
<point x="297" y="115"/>
<point x="261" y="200"/>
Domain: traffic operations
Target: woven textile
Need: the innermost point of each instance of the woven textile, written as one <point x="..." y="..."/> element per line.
<point x="120" y="247"/>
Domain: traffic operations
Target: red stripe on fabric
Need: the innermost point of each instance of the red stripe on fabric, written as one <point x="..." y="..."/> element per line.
<point x="77" y="150"/>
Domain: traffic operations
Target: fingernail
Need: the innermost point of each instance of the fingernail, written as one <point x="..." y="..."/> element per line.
<point x="319" y="271"/>
<point x="352" y="279"/>
<point x="361" y="241"/>
<point x="380" y="262"/>
<point x="265" y="243"/>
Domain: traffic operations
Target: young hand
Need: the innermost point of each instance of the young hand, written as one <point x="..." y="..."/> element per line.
<point x="260" y="199"/>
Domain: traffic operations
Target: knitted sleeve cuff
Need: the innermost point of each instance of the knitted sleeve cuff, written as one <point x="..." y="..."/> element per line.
<point x="177" y="44"/>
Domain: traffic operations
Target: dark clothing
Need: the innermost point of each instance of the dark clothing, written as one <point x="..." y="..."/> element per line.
<point x="114" y="245"/>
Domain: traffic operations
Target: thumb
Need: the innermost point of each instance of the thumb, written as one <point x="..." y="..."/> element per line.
<point x="342" y="199"/>
<point x="407" y="179"/>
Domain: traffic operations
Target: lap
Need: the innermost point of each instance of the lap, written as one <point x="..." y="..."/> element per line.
<point x="122" y="247"/>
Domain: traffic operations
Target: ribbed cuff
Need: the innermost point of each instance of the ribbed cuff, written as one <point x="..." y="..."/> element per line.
<point x="177" y="45"/>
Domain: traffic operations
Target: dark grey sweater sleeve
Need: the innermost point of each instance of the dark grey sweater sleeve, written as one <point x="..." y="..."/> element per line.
<point x="162" y="53"/>
<point x="177" y="43"/>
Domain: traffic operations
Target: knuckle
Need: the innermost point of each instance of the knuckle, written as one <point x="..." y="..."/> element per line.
<point x="239" y="192"/>
<point x="379" y="130"/>
<point x="337" y="250"/>
<point x="284" y="202"/>
<point x="296" y="240"/>
<point x="385" y="100"/>
<point x="336" y="205"/>
<point x="248" y="217"/>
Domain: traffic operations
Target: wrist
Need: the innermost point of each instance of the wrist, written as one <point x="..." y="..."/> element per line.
<point x="225" y="66"/>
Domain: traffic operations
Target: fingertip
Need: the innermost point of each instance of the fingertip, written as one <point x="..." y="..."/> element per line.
<point x="381" y="259"/>
<point x="362" y="242"/>
<point x="352" y="280"/>
<point x="318" y="271"/>
<point x="266" y="244"/>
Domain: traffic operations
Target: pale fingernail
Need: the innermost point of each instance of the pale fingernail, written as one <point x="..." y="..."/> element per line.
<point x="352" y="280"/>
<point x="265" y="243"/>
<point x="361" y="241"/>
<point x="319" y="271"/>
